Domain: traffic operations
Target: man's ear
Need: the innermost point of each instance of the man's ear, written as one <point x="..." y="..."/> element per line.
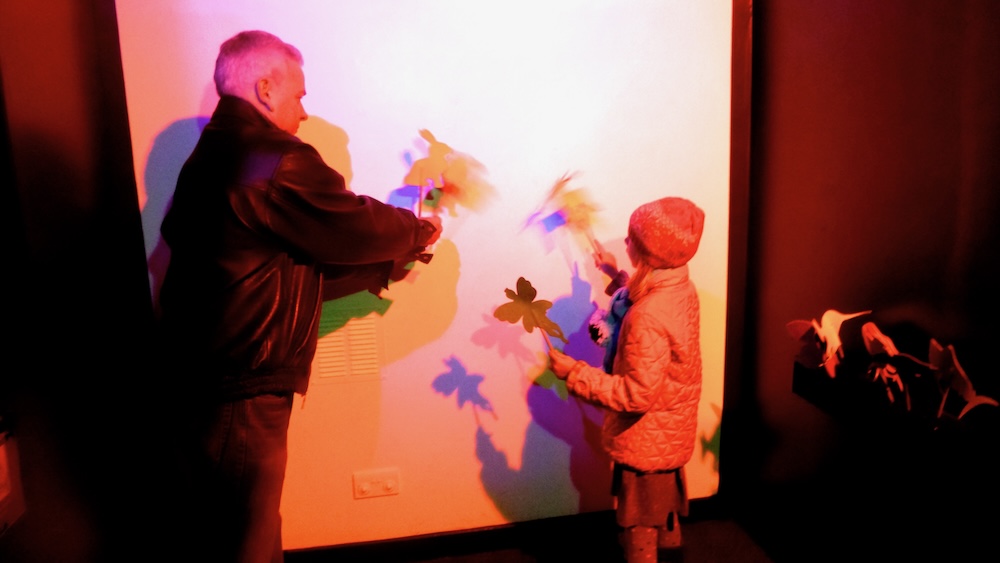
<point x="263" y="91"/>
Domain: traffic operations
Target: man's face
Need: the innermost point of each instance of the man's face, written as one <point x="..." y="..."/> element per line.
<point x="286" y="99"/>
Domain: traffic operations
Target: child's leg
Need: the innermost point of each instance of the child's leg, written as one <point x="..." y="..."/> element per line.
<point x="647" y="507"/>
<point x="669" y="536"/>
<point x="640" y="544"/>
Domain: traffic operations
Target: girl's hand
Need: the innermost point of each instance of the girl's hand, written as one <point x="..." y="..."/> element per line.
<point x="561" y="363"/>
<point x="604" y="260"/>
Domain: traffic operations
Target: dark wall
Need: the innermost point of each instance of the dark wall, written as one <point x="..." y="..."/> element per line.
<point x="873" y="186"/>
<point x="77" y="294"/>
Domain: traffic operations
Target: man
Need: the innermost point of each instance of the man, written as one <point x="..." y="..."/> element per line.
<point x="256" y="219"/>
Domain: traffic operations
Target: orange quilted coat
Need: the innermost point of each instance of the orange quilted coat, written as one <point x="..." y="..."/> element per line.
<point x="652" y="396"/>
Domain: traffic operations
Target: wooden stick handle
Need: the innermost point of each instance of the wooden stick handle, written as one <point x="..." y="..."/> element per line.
<point x="545" y="335"/>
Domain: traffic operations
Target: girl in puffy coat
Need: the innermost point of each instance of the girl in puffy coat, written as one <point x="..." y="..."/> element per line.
<point x="652" y="391"/>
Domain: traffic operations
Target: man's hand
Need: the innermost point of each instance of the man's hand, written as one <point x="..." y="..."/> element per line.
<point x="434" y="222"/>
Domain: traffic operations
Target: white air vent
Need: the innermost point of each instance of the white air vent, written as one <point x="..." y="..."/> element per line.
<point x="350" y="352"/>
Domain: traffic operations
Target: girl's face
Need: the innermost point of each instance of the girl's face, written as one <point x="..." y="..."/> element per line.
<point x="633" y="255"/>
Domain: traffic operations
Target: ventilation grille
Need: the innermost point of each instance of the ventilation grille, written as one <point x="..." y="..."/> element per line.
<point x="350" y="352"/>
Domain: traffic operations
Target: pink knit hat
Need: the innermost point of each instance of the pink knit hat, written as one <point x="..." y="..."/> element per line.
<point x="666" y="232"/>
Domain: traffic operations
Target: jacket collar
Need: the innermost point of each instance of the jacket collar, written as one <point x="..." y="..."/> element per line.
<point x="669" y="277"/>
<point x="232" y="107"/>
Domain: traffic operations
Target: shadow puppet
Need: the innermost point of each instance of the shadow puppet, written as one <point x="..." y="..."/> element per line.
<point x="519" y="493"/>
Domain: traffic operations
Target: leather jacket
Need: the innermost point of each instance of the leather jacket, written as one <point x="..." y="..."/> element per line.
<point x="256" y="219"/>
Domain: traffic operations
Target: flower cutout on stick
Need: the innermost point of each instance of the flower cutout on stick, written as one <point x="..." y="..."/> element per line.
<point x="567" y="207"/>
<point x="574" y="204"/>
<point x="523" y="307"/>
<point x="447" y="178"/>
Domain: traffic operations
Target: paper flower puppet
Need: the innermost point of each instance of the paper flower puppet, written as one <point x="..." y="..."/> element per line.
<point x="827" y="330"/>
<point x="901" y="376"/>
<point x="449" y="177"/>
<point x="523" y="307"/>
<point x="951" y="376"/>
<point x="567" y="207"/>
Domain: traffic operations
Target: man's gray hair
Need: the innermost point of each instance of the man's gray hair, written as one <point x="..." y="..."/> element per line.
<point x="249" y="56"/>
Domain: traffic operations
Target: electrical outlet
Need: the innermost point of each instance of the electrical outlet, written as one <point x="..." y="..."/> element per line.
<point x="376" y="482"/>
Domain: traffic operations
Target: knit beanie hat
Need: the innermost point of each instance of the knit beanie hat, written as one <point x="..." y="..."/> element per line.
<point x="666" y="232"/>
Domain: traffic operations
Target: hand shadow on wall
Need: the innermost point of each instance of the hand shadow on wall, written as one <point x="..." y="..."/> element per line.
<point x="522" y="494"/>
<point x="574" y="311"/>
<point x="534" y="490"/>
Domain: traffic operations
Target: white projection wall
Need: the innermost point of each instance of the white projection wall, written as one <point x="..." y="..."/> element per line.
<point x="425" y="413"/>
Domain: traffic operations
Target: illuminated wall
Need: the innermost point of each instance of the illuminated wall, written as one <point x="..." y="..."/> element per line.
<point x="632" y="97"/>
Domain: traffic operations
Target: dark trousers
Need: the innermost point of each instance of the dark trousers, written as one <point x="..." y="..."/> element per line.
<point x="237" y="477"/>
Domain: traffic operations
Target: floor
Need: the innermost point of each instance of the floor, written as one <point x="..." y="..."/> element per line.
<point x="589" y="537"/>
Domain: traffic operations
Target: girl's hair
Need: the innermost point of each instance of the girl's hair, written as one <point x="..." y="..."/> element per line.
<point x="249" y="56"/>
<point x="638" y="284"/>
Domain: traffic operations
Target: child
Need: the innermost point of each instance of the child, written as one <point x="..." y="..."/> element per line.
<point x="651" y="392"/>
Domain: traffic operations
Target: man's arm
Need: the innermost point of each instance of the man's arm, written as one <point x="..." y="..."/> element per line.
<point x="310" y="208"/>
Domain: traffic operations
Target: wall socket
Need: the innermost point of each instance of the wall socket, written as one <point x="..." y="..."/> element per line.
<point x="376" y="482"/>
